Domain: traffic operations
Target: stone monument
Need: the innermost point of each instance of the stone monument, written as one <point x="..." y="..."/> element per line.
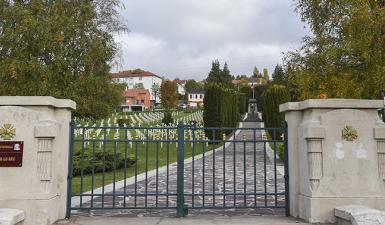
<point x="253" y="115"/>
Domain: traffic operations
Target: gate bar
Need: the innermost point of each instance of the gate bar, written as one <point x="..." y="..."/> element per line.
<point x="180" y="172"/>
<point x="70" y="169"/>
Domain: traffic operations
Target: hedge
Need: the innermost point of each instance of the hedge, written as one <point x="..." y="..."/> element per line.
<point x="99" y="157"/>
<point x="121" y="122"/>
<point x="271" y="99"/>
<point x="222" y="108"/>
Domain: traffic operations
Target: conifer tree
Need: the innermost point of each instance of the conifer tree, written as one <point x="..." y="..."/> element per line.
<point x="215" y="72"/>
<point x="279" y="75"/>
<point x="226" y="77"/>
<point x="219" y="76"/>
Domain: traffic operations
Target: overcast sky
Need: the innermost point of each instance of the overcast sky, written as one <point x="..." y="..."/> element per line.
<point x="180" y="38"/>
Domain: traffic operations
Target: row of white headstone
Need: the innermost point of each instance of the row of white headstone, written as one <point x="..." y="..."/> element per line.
<point x="151" y="134"/>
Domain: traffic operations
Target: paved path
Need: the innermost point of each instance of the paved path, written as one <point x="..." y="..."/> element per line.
<point x="239" y="168"/>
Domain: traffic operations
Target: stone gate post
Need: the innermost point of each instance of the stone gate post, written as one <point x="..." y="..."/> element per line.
<point x="34" y="147"/>
<point x="336" y="156"/>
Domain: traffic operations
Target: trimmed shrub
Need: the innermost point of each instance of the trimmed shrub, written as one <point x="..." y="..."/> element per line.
<point x="259" y="90"/>
<point x="121" y="122"/>
<point x="108" y="164"/>
<point x="271" y="99"/>
<point x="167" y="119"/>
<point x="222" y="108"/>
<point x="242" y="103"/>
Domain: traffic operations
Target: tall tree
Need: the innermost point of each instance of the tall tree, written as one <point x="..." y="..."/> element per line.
<point x="62" y="49"/>
<point x="266" y="74"/>
<point x="279" y="76"/>
<point x="256" y="72"/>
<point x="169" y="94"/>
<point x="155" y="90"/>
<point x="345" y="57"/>
<point x="192" y="84"/>
<point x="226" y="77"/>
<point x="215" y="72"/>
<point x="217" y="75"/>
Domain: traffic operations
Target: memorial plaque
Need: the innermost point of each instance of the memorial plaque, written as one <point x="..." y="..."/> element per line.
<point x="11" y="153"/>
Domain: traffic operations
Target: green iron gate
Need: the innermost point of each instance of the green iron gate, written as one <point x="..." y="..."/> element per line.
<point x="181" y="168"/>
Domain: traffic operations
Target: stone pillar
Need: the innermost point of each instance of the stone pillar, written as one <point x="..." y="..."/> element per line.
<point x="336" y="156"/>
<point x="39" y="186"/>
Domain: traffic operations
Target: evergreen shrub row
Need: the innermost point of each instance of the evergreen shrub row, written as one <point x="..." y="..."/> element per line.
<point x="223" y="107"/>
<point x="271" y="99"/>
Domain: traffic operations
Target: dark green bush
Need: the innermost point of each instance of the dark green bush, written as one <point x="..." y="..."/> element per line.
<point x="108" y="164"/>
<point x="121" y="122"/>
<point x="281" y="150"/>
<point x="167" y="119"/>
<point x="271" y="99"/>
<point x="222" y="108"/>
<point x="242" y="103"/>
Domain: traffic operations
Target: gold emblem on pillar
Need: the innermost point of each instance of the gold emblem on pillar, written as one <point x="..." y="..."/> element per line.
<point x="7" y="132"/>
<point x="349" y="133"/>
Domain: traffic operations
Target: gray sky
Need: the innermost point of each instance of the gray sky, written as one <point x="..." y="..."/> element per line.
<point x="180" y="38"/>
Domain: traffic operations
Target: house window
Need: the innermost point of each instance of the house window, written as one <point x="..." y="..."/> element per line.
<point x="200" y="96"/>
<point x="142" y="101"/>
<point x="190" y="96"/>
<point x="196" y="96"/>
<point x="140" y="78"/>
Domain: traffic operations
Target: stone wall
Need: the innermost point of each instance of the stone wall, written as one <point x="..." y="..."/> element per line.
<point x="336" y="156"/>
<point x="39" y="187"/>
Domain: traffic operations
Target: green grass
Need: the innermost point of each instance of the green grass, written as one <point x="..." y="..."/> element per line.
<point x="280" y="146"/>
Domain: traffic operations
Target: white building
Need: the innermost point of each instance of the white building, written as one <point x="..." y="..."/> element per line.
<point x="139" y="79"/>
<point x="181" y="89"/>
<point x="195" y="98"/>
<point x="181" y="86"/>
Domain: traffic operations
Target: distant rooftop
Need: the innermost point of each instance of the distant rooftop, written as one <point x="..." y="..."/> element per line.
<point x="255" y="79"/>
<point x="180" y="82"/>
<point x="133" y="73"/>
<point x="136" y="92"/>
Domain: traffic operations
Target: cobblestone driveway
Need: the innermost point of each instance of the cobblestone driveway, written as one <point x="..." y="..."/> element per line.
<point x="239" y="168"/>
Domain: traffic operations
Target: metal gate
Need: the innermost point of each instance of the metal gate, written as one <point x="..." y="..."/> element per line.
<point x="181" y="168"/>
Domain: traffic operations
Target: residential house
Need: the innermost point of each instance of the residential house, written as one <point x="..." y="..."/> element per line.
<point x="181" y="86"/>
<point x="195" y="98"/>
<point x="139" y="79"/>
<point x="137" y="99"/>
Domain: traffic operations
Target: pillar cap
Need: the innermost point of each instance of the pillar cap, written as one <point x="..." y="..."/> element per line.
<point x="331" y="104"/>
<point x="37" y="101"/>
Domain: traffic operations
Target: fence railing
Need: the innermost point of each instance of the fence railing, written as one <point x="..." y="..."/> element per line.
<point x="184" y="167"/>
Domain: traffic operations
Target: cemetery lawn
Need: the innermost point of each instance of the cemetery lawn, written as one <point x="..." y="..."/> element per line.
<point x="155" y="160"/>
